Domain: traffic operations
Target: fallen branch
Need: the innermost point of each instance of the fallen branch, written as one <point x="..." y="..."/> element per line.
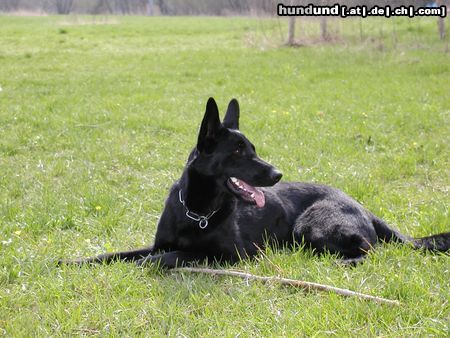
<point x="291" y="282"/>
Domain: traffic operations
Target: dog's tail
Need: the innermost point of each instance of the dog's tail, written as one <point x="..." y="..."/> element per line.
<point x="439" y="242"/>
<point x="126" y="256"/>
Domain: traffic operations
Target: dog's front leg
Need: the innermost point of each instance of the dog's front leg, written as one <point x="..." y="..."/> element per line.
<point x="173" y="259"/>
<point x="125" y="256"/>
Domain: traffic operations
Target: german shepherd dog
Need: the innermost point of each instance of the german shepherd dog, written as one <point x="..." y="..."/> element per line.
<point x="229" y="203"/>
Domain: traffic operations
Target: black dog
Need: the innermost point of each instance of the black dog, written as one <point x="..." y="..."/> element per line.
<point x="219" y="211"/>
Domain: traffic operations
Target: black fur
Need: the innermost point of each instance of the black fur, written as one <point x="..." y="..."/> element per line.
<point x="322" y="217"/>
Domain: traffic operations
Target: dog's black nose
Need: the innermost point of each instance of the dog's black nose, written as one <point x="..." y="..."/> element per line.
<point x="276" y="175"/>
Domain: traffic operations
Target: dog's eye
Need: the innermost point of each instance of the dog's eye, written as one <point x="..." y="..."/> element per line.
<point x="240" y="148"/>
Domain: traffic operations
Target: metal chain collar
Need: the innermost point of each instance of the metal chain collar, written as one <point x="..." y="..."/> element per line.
<point x="202" y="220"/>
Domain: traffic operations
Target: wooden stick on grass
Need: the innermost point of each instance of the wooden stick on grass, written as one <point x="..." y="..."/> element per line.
<point x="291" y="282"/>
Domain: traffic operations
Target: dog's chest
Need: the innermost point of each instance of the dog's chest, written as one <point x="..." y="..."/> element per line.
<point x="211" y="239"/>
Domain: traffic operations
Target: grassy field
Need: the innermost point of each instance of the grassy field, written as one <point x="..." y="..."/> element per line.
<point x="97" y="116"/>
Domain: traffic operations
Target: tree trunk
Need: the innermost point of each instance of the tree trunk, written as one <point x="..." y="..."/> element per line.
<point x="150" y="7"/>
<point x="291" y="31"/>
<point x="163" y="7"/>
<point x="324" y="28"/>
<point x="9" y="5"/>
<point x="441" y="23"/>
<point x="361" y="29"/>
<point x="64" y="6"/>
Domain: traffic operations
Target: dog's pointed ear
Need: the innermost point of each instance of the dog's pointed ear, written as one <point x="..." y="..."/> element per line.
<point x="231" y="119"/>
<point x="210" y="126"/>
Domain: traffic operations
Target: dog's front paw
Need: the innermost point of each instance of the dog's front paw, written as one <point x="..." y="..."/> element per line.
<point x="143" y="261"/>
<point x="140" y="262"/>
<point x="351" y="262"/>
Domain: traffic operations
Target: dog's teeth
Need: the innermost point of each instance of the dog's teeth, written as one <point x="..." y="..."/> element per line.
<point x="252" y="195"/>
<point x="234" y="179"/>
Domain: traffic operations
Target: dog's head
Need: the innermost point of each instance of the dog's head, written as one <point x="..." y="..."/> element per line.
<point x="224" y="153"/>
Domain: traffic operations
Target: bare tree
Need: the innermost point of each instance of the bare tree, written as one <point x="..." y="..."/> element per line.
<point x="9" y="5"/>
<point x="441" y="22"/>
<point x="324" y="23"/>
<point x="324" y="28"/>
<point x="239" y="6"/>
<point x="102" y="6"/>
<point x="150" y="7"/>
<point x="441" y="28"/>
<point x="64" y="6"/>
<point x="163" y="8"/>
<point x="190" y="7"/>
<point x="291" y="31"/>
<point x="122" y="7"/>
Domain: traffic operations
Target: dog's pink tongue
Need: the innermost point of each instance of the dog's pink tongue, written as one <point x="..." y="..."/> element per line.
<point x="260" y="199"/>
<point x="255" y="193"/>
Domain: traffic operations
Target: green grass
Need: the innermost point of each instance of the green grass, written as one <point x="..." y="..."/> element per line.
<point x="97" y="117"/>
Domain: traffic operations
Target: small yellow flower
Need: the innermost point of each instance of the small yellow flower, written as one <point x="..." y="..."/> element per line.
<point x="286" y="113"/>
<point x="18" y="232"/>
<point x="98" y="208"/>
<point x="274" y="111"/>
<point x="364" y="114"/>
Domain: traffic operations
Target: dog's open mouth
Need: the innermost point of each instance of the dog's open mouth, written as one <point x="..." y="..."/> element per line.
<point x="246" y="192"/>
